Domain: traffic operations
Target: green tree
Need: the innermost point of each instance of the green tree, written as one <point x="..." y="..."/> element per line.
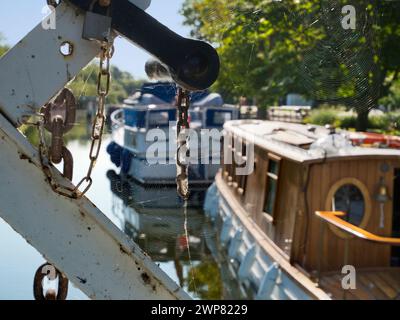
<point x="204" y="279"/>
<point x="271" y="48"/>
<point x="122" y="85"/>
<point x="392" y="100"/>
<point x="3" y="47"/>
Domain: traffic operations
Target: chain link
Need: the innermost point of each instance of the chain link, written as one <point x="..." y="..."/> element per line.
<point x="53" y="3"/>
<point x="103" y="88"/>
<point x="182" y="153"/>
<point x="47" y="270"/>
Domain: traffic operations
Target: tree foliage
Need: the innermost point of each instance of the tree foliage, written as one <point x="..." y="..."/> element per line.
<point x="271" y="48"/>
<point x="204" y="279"/>
<point x="3" y="47"/>
<point x="392" y="100"/>
<point x="122" y="85"/>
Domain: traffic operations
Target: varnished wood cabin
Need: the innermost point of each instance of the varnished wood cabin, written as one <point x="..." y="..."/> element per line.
<point x="303" y="177"/>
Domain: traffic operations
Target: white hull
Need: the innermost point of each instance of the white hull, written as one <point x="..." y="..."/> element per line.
<point x="161" y="169"/>
<point x="258" y="263"/>
<point x="145" y="173"/>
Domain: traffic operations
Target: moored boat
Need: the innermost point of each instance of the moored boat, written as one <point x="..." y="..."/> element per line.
<point x="317" y="218"/>
<point x="147" y="118"/>
<point x="370" y="139"/>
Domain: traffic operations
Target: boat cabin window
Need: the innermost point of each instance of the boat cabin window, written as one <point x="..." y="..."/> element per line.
<point x="228" y="163"/>
<point x="195" y="116"/>
<point x="135" y="118"/>
<point x="242" y="179"/>
<point x="395" y="261"/>
<point x="349" y="199"/>
<point x="234" y="166"/>
<point x="217" y="118"/>
<point x="160" y="118"/>
<point x="272" y="187"/>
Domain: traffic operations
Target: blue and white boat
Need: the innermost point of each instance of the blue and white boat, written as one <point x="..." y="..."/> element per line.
<point x="149" y="117"/>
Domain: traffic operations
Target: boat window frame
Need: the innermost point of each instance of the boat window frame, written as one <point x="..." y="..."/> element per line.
<point x="209" y="122"/>
<point x="242" y="180"/>
<point x="236" y="141"/>
<point x="149" y="112"/>
<point x="271" y="217"/>
<point x="229" y="167"/>
<point x="367" y="203"/>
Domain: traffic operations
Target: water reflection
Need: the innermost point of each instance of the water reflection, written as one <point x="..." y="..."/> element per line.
<point x="154" y="218"/>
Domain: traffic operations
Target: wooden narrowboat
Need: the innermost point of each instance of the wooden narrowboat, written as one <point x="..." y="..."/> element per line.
<point x="317" y="218"/>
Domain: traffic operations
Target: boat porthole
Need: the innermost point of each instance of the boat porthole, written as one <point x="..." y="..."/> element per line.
<point x="349" y="195"/>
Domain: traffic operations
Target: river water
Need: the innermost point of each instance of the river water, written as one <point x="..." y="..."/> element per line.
<point x="153" y="218"/>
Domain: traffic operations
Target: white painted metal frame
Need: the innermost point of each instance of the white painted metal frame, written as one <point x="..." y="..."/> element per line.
<point x="71" y="234"/>
<point x="34" y="71"/>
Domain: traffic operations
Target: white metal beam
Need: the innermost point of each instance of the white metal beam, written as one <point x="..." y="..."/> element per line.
<point x="73" y="234"/>
<point x="34" y="70"/>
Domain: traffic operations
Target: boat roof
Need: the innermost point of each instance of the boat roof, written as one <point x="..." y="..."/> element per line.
<point x="161" y="93"/>
<point x="292" y="141"/>
<point x="163" y="107"/>
<point x="145" y="107"/>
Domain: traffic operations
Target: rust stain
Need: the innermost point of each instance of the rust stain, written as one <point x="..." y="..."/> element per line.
<point x="25" y="157"/>
<point x="146" y="279"/>
<point x="69" y="76"/>
<point x="123" y="250"/>
<point x="81" y="280"/>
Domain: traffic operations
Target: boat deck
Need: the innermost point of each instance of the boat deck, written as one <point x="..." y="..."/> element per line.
<point x="293" y="141"/>
<point x="372" y="284"/>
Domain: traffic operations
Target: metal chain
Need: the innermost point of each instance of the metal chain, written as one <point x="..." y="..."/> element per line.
<point x="49" y="271"/>
<point x="182" y="153"/>
<point x="103" y="88"/>
<point x="46" y="165"/>
<point x="53" y="3"/>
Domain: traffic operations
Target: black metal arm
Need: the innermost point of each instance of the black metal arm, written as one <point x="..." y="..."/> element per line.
<point x="193" y="64"/>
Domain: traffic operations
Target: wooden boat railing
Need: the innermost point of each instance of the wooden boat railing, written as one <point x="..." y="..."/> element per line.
<point x="334" y="218"/>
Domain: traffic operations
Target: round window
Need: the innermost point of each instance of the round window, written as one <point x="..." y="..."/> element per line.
<point x="349" y="199"/>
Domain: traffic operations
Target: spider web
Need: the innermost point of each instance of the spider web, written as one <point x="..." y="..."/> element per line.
<point x="332" y="64"/>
